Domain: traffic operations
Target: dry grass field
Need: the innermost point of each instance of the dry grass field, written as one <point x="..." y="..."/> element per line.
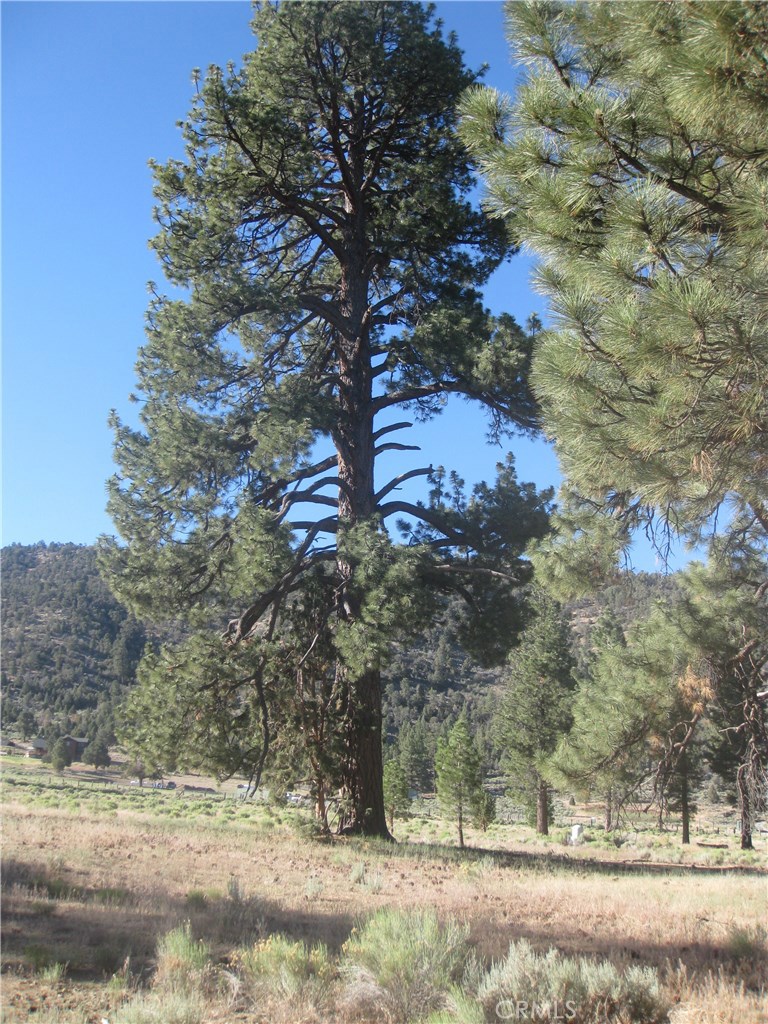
<point x="95" y="880"/>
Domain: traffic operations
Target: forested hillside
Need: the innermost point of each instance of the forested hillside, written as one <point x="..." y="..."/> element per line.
<point x="630" y="599"/>
<point x="69" y="649"/>
<point x="435" y="678"/>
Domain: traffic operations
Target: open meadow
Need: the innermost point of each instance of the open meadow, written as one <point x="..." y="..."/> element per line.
<point x="131" y="905"/>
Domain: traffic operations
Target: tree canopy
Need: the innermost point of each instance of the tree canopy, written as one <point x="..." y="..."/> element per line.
<point x="325" y="261"/>
<point x="633" y="163"/>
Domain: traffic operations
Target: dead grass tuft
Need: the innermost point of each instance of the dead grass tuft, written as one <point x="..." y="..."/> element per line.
<point x="715" y="997"/>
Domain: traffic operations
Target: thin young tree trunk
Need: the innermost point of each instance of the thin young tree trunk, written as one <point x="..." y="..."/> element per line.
<point x="684" y="799"/>
<point x="542" y="809"/>
<point x="609" y="810"/>
<point x="321" y="808"/>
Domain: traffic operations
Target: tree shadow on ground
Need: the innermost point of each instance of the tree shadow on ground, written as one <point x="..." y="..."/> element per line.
<point x="95" y="931"/>
<point x="549" y="861"/>
<point x="96" y="942"/>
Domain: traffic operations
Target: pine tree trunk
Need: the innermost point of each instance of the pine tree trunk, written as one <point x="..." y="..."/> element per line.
<point x="542" y="809"/>
<point x="745" y="806"/>
<point x="461" y="828"/>
<point x="609" y="811"/>
<point x="321" y="809"/>
<point x="363" y="771"/>
<point x="685" y="806"/>
<point x="362" y="791"/>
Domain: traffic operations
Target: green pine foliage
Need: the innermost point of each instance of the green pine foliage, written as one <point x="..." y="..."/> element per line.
<point x="683" y="689"/>
<point x="484" y="811"/>
<point x="535" y="710"/>
<point x="415" y="751"/>
<point x="632" y="163"/>
<point x="97" y="754"/>
<point x="432" y="679"/>
<point x="428" y="681"/>
<point x="396" y="789"/>
<point x="721" y="625"/>
<point x="60" y="756"/>
<point x="620" y="709"/>
<point x="459" y="775"/>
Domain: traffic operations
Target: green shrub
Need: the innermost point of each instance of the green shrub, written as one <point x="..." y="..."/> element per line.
<point x="196" y="900"/>
<point x="357" y="873"/>
<point x="240" y="918"/>
<point x="53" y="973"/>
<point x="112" y="897"/>
<point x="747" y="943"/>
<point x="176" y="1006"/>
<point x="287" y="980"/>
<point x="460" y="1008"/>
<point x="54" y="888"/>
<point x="313" y="889"/>
<point x="280" y="962"/>
<point x="182" y="961"/>
<point x="374" y="882"/>
<point x="404" y="964"/>
<point x="643" y="996"/>
<point x="581" y="990"/>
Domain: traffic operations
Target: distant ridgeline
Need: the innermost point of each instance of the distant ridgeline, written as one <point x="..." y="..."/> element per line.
<point x="70" y="651"/>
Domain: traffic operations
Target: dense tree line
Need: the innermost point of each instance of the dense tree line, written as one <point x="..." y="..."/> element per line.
<point x="514" y="714"/>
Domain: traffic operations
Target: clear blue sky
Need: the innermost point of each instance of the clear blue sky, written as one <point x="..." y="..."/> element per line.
<point x="91" y="92"/>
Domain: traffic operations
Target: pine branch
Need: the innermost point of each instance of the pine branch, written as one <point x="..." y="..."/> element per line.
<point x="393" y="484"/>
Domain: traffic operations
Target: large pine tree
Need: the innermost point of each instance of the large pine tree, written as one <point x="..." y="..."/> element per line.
<point x="633" y="162"/>
<point x="325" y="262"/>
